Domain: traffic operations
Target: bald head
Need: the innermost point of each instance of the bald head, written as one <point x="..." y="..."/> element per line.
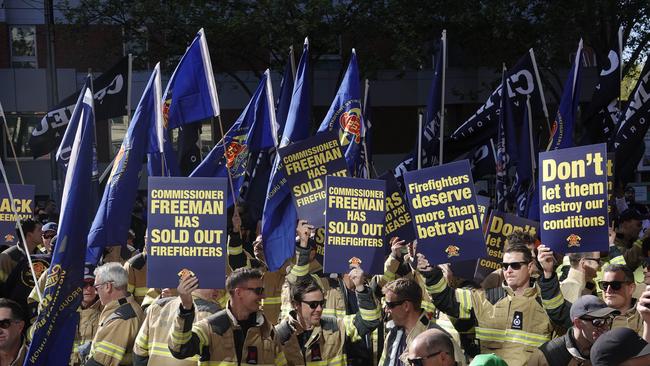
<point x="432" y="344"/>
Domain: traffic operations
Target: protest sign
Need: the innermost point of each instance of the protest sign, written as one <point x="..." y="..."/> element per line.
<point x="500" y="226"/>
<point x="24" y="204"/>
<point x="354" y="225"/>
<point x="187" y="231"/>
<point x="573" y="200"/>
<point x="306" y="164"/>
<point x="398" y="217"/>
<point x="445" y="216"/>
<point x="483" y="203"/>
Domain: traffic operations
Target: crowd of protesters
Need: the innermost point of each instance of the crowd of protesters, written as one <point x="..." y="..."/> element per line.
<point x="539" y="308"/>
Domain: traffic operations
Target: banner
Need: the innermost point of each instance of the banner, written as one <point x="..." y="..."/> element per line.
<point x="24" y="204"/>
<point x="444" y="212"/>
<point x="398" y="217"/>
<point x="306" y="164"/>
<point x="573" y="199"/>
<point x="110" y="95"/>
<point x="500" y="226"/>
<point x="187" y="231"/>
<point x="354" y="225"/>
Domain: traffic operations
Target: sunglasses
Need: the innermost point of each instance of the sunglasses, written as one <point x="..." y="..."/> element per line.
<point x="314" y="304"/>
<point x="420" y="360"/>
<point x="392" y="304"/>
<point x="259" y="291"/>
<point x="615" y="285"/>
<point x="48" y="236"/>
<point x="599" y="322"/>
<point x="514" y="265"/>
<point x="6" y="323"/>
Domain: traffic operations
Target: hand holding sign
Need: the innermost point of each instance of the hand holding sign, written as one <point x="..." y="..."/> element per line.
<point x="185" y="288"/>
<point x="546" y="260"/>
<point x="423" y="264"/>
<point x="396" y="247"/>
<point x="304" y="230"/>
<point x="358" y="279"/>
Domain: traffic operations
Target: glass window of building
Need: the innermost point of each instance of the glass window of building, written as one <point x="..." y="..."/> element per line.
<point x="23" y="46"/>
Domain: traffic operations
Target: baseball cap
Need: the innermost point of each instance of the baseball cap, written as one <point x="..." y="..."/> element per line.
<point x="592" y="306"/>
<point x="50" y="226"/>
<point x="488" y="360"/>
<point x="616" y="346"/>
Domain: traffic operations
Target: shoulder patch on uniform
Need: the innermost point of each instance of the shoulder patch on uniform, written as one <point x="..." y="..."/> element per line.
<point x="124" y="312"/>
<point x="219" y="322"/>
<point x="138" y="261"/>
<point x="330" y="323"/>
<point x="493" y="295"/>
<point x="163" y="301"/>
<point x="206" y="306"/>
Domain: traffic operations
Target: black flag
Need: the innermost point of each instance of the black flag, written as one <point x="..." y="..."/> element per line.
<point x="633" y="126"/>
<point x="110" y="94"/>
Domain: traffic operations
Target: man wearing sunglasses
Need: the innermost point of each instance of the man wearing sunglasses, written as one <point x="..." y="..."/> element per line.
<point x="590" y="318"/>
<point x="12" y="323"/>
<point x="49" y="232"/>
<point x="511" y="321"/>
<point x="119" y="321"/>
<point x="238" y="335"/>
<point x="433" y="347"/>
<point x="617" y="286"/>
<point x="307" y="336"/>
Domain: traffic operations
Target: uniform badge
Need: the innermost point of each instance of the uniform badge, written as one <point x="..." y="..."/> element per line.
<point x="518" y="320"/>
<point x="315" y="353"/>
<point x="251" y="355"/>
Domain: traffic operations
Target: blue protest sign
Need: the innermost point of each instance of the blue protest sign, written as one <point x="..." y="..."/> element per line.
<point x="354" y="225"/>
<point x="187" y="231"/>
<point x="499" y="227"/>
<point x="573" y="199"/>
<point x="306" y="164"/>
<point x="24" y="204"/>
<point x="398" y="217"/>
<point x="444" y="212"/>
<point x="483" y="203"/>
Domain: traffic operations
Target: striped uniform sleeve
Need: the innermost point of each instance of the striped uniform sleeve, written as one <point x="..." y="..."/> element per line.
<point x="141" y="344"/>
<point x="456" y="303"/>
<point x="390" y="271"/>
<point x="109" y="346"/>
<point x="184" y="341"/>
<point x="556" y="306"/>
<point x="301" y="268"/>
<point x="366" y="320"/>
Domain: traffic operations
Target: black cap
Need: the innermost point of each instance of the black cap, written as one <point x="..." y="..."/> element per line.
<point x="630" y="214"/>
<point x="616" y="346"/>
<point x="592" y="306"/>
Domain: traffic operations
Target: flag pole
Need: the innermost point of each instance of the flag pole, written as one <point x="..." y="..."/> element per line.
<point x="365" y="147"/>
<point x="419" y="141"/>
<point x="442" y="95"/>
<point x="530" y="137"/>
<point x="541" y="90"/>
<point x="620" y="64"/>
<point x="11" y="143"/>
<point x="20" y="230"/>
<point x="293" y="62"/>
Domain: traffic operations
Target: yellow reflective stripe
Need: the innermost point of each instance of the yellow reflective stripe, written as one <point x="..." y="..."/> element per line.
<point x="130" y="288"/>
<point x="142" y="340"/>
<point x="231" y="363"/>
<point x="140" y="291"/>
<point x="350" y="330"/>
<point x="203" y="338"/>
<point x="428" y="306"/>
<point x="300" y="271"/>
<point x="162" y="350"/>
<point x="110" y="349"/>
<point x="280" y="360"/>
<point x="438" y="287"/>
<point x="334" y="312"/>
<point x="464" y="298"/>
<point x="388" y="275"/>
<point x="638" y="243"/>
<point x="181" y="337"/>
<point x="235" y="250"/>
<point x="272" y="301"/>
<point x="511" y="335"/>
<point x="370" y="314"/>
<point x="446" y="325"/>
<point x="334" y="361"/>
<point x="3" y="276"/>
<point x="553" y="303"/>
<point x="618" y="260"/>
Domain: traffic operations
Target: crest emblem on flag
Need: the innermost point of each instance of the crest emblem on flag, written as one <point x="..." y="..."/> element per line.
<point x="452" y="251"/>
<point x="350" y="122"/>
<point x="9" y="238"/>
<point x="236" y="152"/>
<point x="573" y="240"/>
